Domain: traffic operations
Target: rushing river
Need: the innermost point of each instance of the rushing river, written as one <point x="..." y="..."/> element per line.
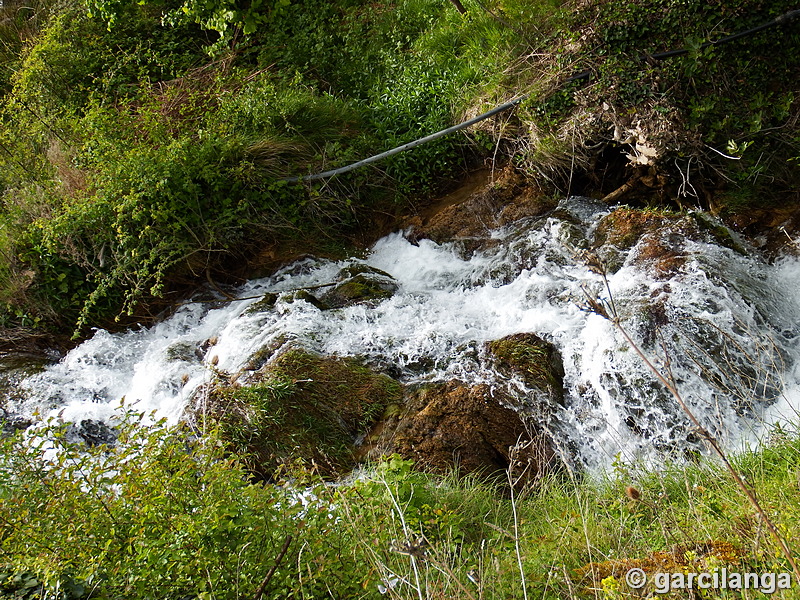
<point x="726" y="325"/>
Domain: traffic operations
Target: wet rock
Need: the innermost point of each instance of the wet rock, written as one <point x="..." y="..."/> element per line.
<point x="536" y="361"/>
<point x="92" y="433"/>
<point x="364" y="285"/>
<point x="184" y="352"/>
<point x="261" y="356"/>
<point x="14" y="368"/>
<point x="360" y="269"/>
<point x="623" y="227"/>
<point x="452" y="424"/>
<point x="656" y="239"/>
<point x="267" y="302"/>
<point x="9" y="422"/>
<point x="305" y="296"/>
<point x="718" y="231"/>
<point x="775" y="229"/>
<point x="651" y="239"/>
<point x="572" y="237"/>
<point x="298" y="406"/>
<point x="488" y="205"/>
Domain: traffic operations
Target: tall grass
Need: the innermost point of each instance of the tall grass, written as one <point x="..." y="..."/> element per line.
<point x="160" y="516"/>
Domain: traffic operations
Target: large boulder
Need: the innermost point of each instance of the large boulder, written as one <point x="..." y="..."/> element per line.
<point x="298" y="406"/>
<point x="453" y="424"/>
<point x="656" y="239"/>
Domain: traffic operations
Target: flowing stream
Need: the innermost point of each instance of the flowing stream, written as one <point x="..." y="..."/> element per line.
<point x="724" y="324"/>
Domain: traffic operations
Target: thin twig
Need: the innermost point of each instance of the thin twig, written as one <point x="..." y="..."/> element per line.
<point x="512" y="482"/>
<point x="265" y="582"/>
<point x="712" y="441"/>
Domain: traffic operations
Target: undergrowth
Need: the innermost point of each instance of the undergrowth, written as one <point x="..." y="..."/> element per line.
<point x="165" y="515"/>
<point x="144" y="144"/>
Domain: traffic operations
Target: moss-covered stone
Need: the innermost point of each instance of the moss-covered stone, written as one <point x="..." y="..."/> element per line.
<point x="306" y="296"/>
<point x="572" y="237"/>
<point x="718" y="232"/>
<point x="299" y="406"/>
<point x="454" y="425"/>
<point x="266" y="303"/>
<point x="533" y="359"/>
<point x="658" y="235"/>
<point x="184" y="352"/>
<point x="362" y="287"/>
<point x="261" y="356"/>
<point x="623" y="227"/>
<point x="360" y="269"/>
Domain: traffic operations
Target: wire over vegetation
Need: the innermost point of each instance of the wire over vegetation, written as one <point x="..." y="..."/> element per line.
<point x="145" y="145"/>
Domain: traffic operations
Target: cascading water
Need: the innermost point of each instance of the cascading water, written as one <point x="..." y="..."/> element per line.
<point x="723" y="323"/>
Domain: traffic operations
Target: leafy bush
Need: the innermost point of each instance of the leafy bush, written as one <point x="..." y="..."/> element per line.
<point x="166" y="514"/>
<point x="159" y="515"/>
<point x="124" y="143"/>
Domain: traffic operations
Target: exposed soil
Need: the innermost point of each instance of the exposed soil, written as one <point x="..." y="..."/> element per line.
<point x="479" y="207"/>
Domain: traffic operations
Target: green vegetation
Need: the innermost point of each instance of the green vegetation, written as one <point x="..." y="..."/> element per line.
<point x="143" y="149"/>
<point x="301" y="407"/>
<point x="163" y="515"/>
<point x="143" y="144"/>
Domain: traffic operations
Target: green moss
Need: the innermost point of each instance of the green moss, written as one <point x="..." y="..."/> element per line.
<point x="182" y="351"/>
<point x="362" y="287"/>
<point x="307" y="296"/>
<point x="266" y="303"/>
<point x="624" y="226"/>
<point x="304" y="406"/>
<point x="532" y="358"/>
<point x="360" y="269"/>
<point x="260" y="357"/>
<point x="720" y="233"/>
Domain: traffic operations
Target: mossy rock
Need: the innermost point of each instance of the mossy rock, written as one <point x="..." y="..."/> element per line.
<point x="300" y="406"/>
<point x="267" y="302"/>
<point x="261" y="356"/>
<point x="365" y="286"/>
<point x="718" y="232"/>
<point x="623" y="227"/>
<point x="360" y="269"/>
<point x="450" y="425"/>
<point x="572" y="237"/>
<point x="183" y="352"/>
<point x="537" y="362"/>
<point x="657" y="234"/>
<point x="305" y="296"/>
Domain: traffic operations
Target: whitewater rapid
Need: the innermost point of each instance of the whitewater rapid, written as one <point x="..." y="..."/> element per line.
<point x="728" y="323"/>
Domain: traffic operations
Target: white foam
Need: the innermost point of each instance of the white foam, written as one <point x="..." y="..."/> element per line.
<point x="722" y="306"/>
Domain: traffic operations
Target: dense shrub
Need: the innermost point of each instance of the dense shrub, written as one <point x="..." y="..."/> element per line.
<point x="124" y="139"/>
<point x="167" y="513"/>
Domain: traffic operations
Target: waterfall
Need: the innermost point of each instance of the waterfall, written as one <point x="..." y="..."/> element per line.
<point x="725" y="323"/>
